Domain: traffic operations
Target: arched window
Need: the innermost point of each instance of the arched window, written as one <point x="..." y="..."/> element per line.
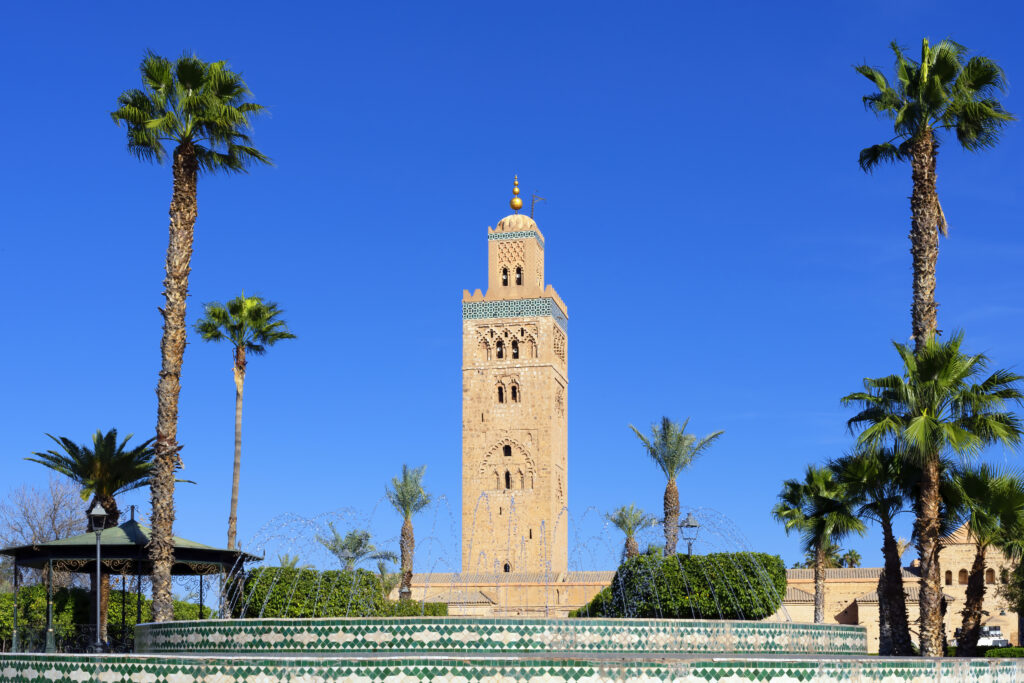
<point x="515" y="349"/>
<point x="504" y="277"/>
<point x="501" y="394"/>
<point x="506" y="451"/>
<point x="949" y="578"/>
<point x="515" y="394"/>
<point x="531" y="533"/>
<point x="962" y="577"/>
<point x="990" y="576"/>
<point x="508" y="479"/>
<point x="508" y="568"/>
<point x="500" y="347"/>
<point x="519" y="275"/>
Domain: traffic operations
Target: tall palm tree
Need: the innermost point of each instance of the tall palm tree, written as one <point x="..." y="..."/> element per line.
<point x="942" y="92"/>
<point x="102" y="472"/>
<point x="880" y="483"/>
<point x="941" y="405"/>
<point x="992" y="503"/>
<point x="673" y="450"/>
<point x="252" y="325"/>
<point x="820" y="510"/>
<point x="408" y="497"/>
<point x="200" y="110"/>
<point x="629" y="519"/>
<point x="353" y="547"/>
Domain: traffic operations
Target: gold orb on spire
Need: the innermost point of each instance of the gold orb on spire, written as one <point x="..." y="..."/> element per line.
<point x="516" y="203"/>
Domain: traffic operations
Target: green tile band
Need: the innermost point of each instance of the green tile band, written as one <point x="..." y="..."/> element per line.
<point x="516" y="235"/>
<point x="515" y="308"/>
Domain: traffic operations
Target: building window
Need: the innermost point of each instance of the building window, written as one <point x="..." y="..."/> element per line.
<point x="515" y="394"/>
<point x="508" y="568"/>
<point x="515" y="349"/>
<point x="519" y="275"/>
<point x="506" y="451"/>
<point x="962" y="577"/>
<point x="949" y="578"/>
<point x="504" y="277"/>
<point x="508" y="479"/>
<point x="501" y="394"/>
<point x="990" y="576"/>
<point x="500" y="348"/>
<point x="531" y="533"/>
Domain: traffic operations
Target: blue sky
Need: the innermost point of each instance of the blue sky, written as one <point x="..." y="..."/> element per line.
<point x="721" y="254"/>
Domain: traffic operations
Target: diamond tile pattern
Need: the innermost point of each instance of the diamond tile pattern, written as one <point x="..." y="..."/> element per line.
<point x="481" y="635"/>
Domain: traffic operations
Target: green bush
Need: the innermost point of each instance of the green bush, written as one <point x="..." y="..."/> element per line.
<point x="275" y="592"/>
<point x="1005" y="652"/>
<point x="717" y="586"/>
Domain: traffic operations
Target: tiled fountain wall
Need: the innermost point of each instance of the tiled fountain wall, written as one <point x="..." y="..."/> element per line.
<point x="498" y="636"/>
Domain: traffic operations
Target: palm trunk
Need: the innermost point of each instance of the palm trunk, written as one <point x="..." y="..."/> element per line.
<point x="819" y="583"/>
<point x="183" y="211"/>
<point x="894" y="596"/>
<point x="632" y="549"/>
<point x="407" y="544"/>
<point x="924" y="237"/>
<point x="926" y="527"/>
<point x="239" y="372"/>
<point x="970" y="628"/>
<point x="885" y="646"/>
<point x="671" y="517"/>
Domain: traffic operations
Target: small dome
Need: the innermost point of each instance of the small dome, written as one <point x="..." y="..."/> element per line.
<point x="516" y="222"/>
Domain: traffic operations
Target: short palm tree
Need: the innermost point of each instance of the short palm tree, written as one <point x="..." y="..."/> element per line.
<point x="941" y="405"/>
<point x="673" y="450"/>
<point x="408" y="497"/>
<point x="353" y="548"/>
<point x="880" y="484"/>
<point x="850" y="559"/>
<point x="201" y="111"/>
<point x="251" y="325"/>
<point x="629" y="519"/>
<point x="992" y="503"/>
<point x="941" y="93"/>
<point x="103" y="472"/>
<point x="287" y="561"/>
<point x="830" y="558"/>
<point x="820" y="510"/>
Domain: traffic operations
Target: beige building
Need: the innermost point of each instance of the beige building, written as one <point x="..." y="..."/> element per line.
<point x="851" y="596"/>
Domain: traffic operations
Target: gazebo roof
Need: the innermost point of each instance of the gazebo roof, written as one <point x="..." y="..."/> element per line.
<point x="123" y="551"/>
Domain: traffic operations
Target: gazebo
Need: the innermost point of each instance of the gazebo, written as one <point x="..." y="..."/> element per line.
<point x="123" y="553"/>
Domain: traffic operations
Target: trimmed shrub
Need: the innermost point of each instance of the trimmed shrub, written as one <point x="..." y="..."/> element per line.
<point x="1005" y="652"/>
<point x="717" y="586"/>
<point x="275" y="592"/>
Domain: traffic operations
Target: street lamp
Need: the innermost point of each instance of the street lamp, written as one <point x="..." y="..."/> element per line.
<point x="98" y="516"/>
<point x="689" y="528"/>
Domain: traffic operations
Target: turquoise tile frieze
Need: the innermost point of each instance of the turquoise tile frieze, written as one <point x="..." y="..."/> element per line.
<point x="515" y="308"/>
<point x="516" y="235"/>
<point x="15" y="668"/>
<point x="466" y="634"/>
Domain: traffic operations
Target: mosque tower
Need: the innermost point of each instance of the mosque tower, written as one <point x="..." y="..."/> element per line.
<point x="514" y="408"/>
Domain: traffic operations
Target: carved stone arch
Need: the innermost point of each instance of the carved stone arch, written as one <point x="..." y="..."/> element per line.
<point x="521" y="457"/>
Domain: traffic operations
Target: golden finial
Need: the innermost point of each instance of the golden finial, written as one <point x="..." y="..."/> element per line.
<point x="516" y="203"/>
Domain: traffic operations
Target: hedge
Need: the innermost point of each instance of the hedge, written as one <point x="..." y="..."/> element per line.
<point x="1005" y="652"/>
<point x="276" y="592"/>
<point x="72" y="609"/>
<point x="717" y="586"/>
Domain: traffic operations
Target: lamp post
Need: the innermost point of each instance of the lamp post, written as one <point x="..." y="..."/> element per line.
<point x="688" y="530"/>
<point x="98" y="516"/>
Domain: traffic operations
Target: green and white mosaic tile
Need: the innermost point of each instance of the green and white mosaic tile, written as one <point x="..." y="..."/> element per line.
<point x="480" y="635"/>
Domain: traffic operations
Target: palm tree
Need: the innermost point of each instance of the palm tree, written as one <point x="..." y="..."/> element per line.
<point x="200" y="109"/>
<point x="102" y="472"/>
<point x="941" y="93"/>
<point x="880" y="484"/>
<point x="673" y="450"/>
<point x="850" y="559"/>
<point x="830" y="558"/>
<point x="941" y="405"/>
<point x="408" y="497"/>
<point x="992" y="503"/>
<point x="821" y="511"/>
<point x="630" y="520"/>
<point x="353" y="547"/>
<point x="251" y="325"/>
<point x="388" y="580"/>
<point x="287" y="561"/>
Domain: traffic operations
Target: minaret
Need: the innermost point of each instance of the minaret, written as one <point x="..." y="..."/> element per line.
<point x="514" y="406"/>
